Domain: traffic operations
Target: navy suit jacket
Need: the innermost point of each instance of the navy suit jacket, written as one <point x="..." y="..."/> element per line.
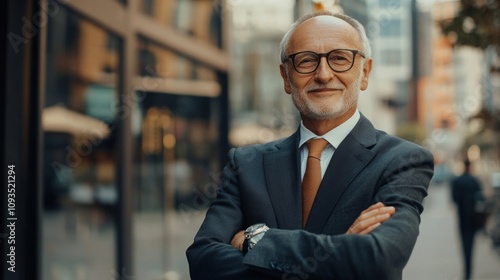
<point x="261" y="184"/>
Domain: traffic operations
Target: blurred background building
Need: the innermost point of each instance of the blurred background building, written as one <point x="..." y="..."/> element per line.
<point x="118" y="115"/>
<point x="127" y="119"/>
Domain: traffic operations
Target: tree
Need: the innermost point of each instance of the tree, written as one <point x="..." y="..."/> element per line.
<point x="477" y="24"/>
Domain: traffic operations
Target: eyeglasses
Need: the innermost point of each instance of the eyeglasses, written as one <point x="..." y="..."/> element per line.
<point x="339" y="60"/>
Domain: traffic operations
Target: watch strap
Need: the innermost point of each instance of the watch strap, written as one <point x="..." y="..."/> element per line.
<point x="245" y="246"/>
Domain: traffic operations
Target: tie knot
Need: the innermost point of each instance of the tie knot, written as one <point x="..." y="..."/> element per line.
<point x="316" y="146"/>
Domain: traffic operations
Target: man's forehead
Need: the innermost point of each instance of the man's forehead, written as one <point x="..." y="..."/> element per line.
<point x="325" y="24"/>
<point x="326" y="21"/>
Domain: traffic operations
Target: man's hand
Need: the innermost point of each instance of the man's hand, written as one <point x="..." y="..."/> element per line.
<point x="238" y="239"/>
<point x="371" y="218"/>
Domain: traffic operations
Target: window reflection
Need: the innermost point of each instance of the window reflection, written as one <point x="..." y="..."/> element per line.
<point x="175" y="125"/>
<point x="175" y="159"/>
<point x="200" y="19"/>
<point x="78" y="122"/>
<point x="156" y="61"/>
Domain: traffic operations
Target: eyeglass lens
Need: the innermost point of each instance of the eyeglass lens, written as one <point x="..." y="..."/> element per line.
<point x="339" y="60"/>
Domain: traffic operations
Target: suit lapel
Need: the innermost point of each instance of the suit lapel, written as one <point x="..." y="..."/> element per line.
<point x="282" y="169"/>
<point x="349" y="159"/>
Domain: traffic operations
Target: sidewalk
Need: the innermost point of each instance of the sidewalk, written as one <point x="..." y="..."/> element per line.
<point x="437" y="254"/>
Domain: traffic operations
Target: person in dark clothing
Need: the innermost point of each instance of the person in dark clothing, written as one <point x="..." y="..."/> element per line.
<point x="465" y="189"/>
<point x="338" y="199"/>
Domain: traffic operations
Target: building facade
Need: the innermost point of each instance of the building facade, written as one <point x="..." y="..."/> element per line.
<point x="390" y="30"/>
<point x="115" y="124"/>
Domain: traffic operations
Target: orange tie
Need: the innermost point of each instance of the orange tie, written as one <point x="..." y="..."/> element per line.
<point x="312" y="176"/>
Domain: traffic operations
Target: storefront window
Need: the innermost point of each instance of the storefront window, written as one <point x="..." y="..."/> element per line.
<point x="79" y="132"/>
<point x="156" y="61"/>
<point x="200" y="19"/>
<point x="176" y="163"/>
<point x="176" y="134"/>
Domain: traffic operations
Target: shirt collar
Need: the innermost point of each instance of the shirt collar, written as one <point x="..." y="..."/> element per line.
<point x="334" y="136"/>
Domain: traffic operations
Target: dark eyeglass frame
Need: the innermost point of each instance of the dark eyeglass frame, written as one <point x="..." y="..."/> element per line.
<point x="321" y="55"/>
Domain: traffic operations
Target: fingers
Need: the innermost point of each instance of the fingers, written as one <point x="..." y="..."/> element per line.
<point x="370" y="228"/>
<point x="363" y="226"/>
<point x="373" y="206"/>
<point x="371" y="218"/>
<point x="375" y="210"/>
<point x="238" y="239"/>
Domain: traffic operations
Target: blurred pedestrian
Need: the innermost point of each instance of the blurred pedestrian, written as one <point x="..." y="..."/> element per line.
<point x="466" y="190"/>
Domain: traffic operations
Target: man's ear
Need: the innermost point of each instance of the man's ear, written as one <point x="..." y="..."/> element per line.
<point x="286" y="81"/>
<point x="367" y="68"/>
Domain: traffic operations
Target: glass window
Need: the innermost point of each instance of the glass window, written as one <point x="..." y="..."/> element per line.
<point x="390" y="28"/>
<point x="391" y="57"/>
<point x="156" y="61"/>
<point x="175" y="167"/>
<point x="391" y="4"/>
<point x="79" y="126"/>
<point x="200" y="19"/>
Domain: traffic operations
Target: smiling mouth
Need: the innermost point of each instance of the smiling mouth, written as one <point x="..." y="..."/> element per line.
<point x="326" y="90"/>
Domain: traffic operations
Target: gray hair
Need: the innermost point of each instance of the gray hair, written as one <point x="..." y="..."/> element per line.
<point x="367" y="51"/>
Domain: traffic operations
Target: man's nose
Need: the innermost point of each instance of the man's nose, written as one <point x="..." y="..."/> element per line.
<point x="324" y="73"/>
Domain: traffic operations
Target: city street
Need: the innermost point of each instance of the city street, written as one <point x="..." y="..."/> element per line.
<point x="437" y="254"/>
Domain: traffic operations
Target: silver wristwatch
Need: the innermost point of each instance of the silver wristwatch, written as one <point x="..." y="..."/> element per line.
<point x="254" y="234"/>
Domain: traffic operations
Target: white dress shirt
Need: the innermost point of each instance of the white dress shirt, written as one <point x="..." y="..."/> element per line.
<point x="334" y="138"/>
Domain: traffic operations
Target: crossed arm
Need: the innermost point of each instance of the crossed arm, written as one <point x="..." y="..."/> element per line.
<point x="377" y="245"/>
<point x="367" y="221"/>
<point x="212" y="254"/>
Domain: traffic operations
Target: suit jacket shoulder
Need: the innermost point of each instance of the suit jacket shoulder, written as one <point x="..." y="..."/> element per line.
<point x="283" y="143"/>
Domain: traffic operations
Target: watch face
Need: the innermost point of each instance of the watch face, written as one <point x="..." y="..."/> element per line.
<point x="254" y="234"/>
<point x="251" y="229"/>
<point x="254" y="227"/>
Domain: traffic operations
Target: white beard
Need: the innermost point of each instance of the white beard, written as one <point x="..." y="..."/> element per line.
<point x="326" y="110"/>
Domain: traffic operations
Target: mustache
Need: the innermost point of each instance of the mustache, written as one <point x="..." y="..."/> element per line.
<point x="325" y="86"/>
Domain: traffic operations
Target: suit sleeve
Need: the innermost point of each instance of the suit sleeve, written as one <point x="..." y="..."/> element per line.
<point x="211" y="256"/>
<point x="382" y="254"/>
